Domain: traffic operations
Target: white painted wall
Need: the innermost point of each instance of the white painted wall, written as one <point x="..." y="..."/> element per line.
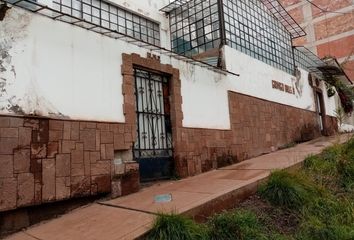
<point x="65" y="69"/>
<point x="256" y="80"/>
<point x="62" y="69"/>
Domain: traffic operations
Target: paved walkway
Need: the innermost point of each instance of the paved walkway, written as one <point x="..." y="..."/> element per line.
<point x="131" y="216"/>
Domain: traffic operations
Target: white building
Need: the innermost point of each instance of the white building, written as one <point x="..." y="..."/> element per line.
<point x="92" y="91"/>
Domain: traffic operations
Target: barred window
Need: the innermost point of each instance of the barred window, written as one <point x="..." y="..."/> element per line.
<point x="111" y="17"/>
<point x="301" y="60"/>
<point x="253" y="30"/>
<point x="195" y="27"/>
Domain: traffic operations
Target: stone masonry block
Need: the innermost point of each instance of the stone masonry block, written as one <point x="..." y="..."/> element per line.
<point x="95" y="157"/>
<point x="77" y="156"/>
<point x="62" y="162"/>
<point x="52" y="149"/>
<point x="7" y="145"/>
<point x="6" y="166"/>
<point x="106" y="137"/>
<point x="118" y="141"/>
<point x="62" y="187"/>
<point x="107" y="151"/>
<point x="48" y="171"/>
<point x="22" y="160"/>
<point x="77" y="169"/>
<point x="4" y="121"/>
<point x="67" y="146"/>
<point x="16" y="122"/>
<point x="9" y="132"/>
<point x="87" y="163"/>
<point x="75" y="131"/>
<point x="88" y="137"/>
<point x="55" y="136"/>
<point x="25" y="186"/>
<point x="24" y="136"/>
<point x="8" y="193"/>
<point x="67" y="130"/>
<point x="101" y="168"/>
<point x="103" y="183"/>
<point x="56" y="125"/>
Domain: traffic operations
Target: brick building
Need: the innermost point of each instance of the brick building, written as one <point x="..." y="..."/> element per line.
<point x="330" y="31"/>
<point x="96" y="96"/>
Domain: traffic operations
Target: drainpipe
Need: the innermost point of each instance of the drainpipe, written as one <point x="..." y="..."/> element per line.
<point x="223" y="42"/>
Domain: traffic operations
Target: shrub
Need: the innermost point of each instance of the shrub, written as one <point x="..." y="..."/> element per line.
<point x="345" y="168"/>
<point x="176" y="227"/>
<point x="330" y="210"/>
<point x="334" y="167"/>
<point x="236" y="225"/>
<point x="332" y="153"/>
<point x="288" y="190"/>
<point x="314" y="229"/>
<point x="323" y="173"/>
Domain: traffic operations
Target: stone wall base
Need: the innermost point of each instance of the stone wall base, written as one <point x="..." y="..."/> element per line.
<point x="45" y="160"/>
<point x="257" y="127"/>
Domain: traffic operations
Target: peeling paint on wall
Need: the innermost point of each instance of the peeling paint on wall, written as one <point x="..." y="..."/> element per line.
<point x="3" y="10"/>
<point x="33" y="103"/>
<point x="13" y="30"/>
<point x="9" y="37"/>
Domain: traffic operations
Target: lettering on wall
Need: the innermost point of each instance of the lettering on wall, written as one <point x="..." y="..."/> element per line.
<point x="283" y="87"/>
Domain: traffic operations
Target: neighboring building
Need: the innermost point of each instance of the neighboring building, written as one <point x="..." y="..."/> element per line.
<point x="329" y="26"/>
<point x="92" y="92"/>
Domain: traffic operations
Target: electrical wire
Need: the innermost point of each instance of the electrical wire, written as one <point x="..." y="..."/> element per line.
<point x="324" y="10"/>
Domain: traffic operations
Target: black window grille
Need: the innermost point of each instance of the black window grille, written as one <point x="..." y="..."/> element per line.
<point x="301" y="60"/>
<point x="195" y="27"/>
<point x="253" y="30"/>
<point x="247" y="25"/>
<point x="308" y="61"/>
<point x="112" y="17"/>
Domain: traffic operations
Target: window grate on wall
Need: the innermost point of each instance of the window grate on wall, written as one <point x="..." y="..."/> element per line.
<point x="308" y="61"/>
<point x="195" y="27"/>
<point x="253" y="30"/>
<point x="111" y="17"/>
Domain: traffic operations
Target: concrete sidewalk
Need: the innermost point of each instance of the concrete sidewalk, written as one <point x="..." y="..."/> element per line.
<point x="131" y="216"/>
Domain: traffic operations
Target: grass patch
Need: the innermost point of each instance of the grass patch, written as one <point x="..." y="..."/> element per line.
<point x="176" y="227"/>
<point x="288" y="190"/>
<point x="315" y="203"/>
<point x="333" y="168"/>
<point x="238" y="225"/>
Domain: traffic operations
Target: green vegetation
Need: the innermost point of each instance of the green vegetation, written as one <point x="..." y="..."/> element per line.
<point x="289" y="190"/>
<point x="236" y="225"/>
<point x="176" y="227"/>
<point x="315" y="203"/>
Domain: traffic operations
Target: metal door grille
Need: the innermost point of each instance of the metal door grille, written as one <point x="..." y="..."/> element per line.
<point x="153" y="146"/>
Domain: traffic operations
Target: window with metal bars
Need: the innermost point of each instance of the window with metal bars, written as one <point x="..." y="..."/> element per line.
<point x="253" y="30"/>
<point x="247" y="26"/>
<point x="195" y="27"/>
<point x="111" y="17"/>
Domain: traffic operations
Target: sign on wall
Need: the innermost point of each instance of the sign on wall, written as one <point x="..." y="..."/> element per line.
<point x="283" y="87"/>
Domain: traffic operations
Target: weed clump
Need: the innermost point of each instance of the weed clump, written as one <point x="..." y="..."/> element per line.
<point x="239" y="225"/>
<point x="320" y="197"/>
<point x="176" y="227"/>
<point x="288" y="190"/>
<point x="333" y="168"/>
